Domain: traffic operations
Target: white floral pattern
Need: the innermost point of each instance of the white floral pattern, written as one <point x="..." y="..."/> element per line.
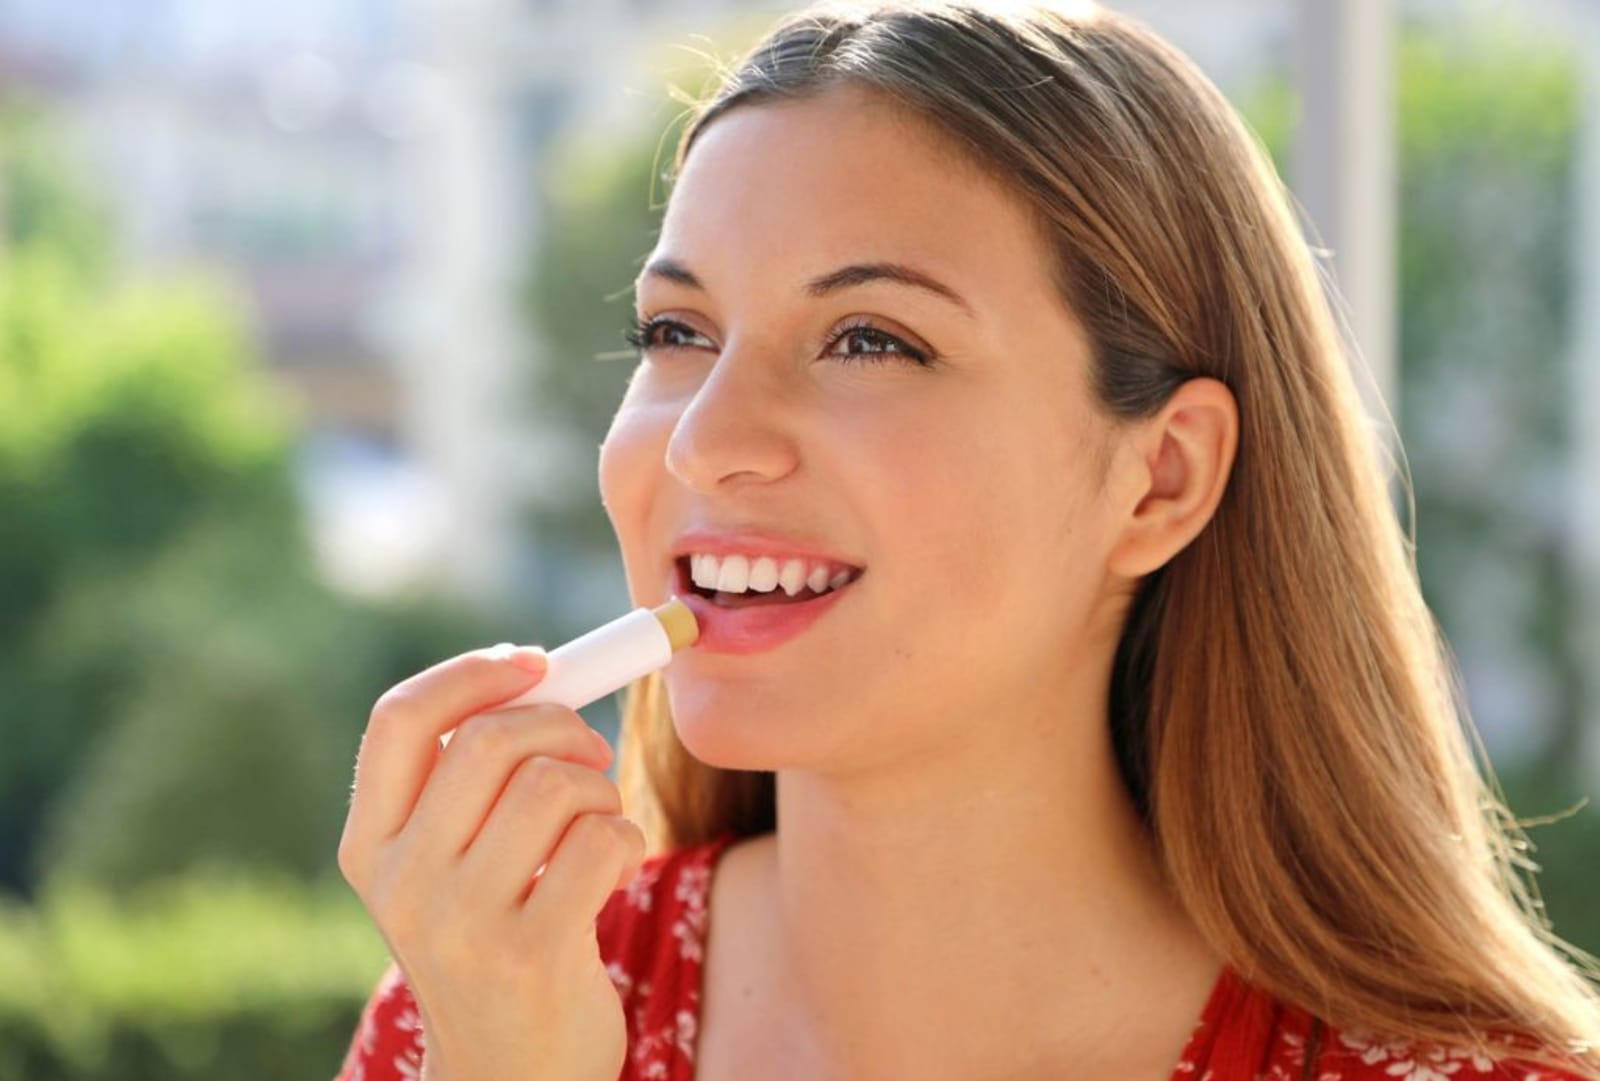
<point x="690" y="927"/>
<point x="641" y="886"/>
<point x="620" y="979"/>
<point x="1408" y="1060"/>
<point x="408" y="1062"/>
<point x="663" y="1011"/>
<point x="1289" y="1063"/>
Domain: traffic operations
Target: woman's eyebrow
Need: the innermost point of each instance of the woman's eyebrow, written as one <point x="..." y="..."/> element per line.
<point x="843" y="278"/>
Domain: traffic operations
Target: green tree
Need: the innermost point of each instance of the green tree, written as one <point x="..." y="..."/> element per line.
<point x="125" y="412"/>
<point x="604" y="203"/>
<point x="176" y="686"/>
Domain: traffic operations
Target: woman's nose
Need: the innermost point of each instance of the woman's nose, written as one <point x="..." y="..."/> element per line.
<point x="733" y="427"/>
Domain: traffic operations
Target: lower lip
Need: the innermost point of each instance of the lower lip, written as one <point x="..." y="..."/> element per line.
<point x="757" y="628"/>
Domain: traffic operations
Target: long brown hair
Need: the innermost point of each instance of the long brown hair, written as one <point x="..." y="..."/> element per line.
<point x="1285" y="710"/>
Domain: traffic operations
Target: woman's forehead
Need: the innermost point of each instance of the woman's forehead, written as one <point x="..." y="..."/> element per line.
<point x="802" y="187"/>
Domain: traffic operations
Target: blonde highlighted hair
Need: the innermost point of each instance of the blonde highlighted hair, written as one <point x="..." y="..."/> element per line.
<point x="1285" y="710"/>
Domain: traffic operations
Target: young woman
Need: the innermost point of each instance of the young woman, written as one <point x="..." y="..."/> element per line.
<point x="1065" y="705"/>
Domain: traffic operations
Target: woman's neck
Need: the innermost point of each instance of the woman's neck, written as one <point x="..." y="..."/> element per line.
<point x="994" y="911"/>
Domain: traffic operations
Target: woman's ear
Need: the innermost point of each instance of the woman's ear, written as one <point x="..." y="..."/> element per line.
<point x="1174" y="467"/>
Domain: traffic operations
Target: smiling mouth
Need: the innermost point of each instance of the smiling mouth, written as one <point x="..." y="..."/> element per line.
<point x="754" y="598"/>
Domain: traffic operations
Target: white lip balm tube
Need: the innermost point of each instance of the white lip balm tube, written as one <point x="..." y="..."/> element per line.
<point x="609" y="657"/>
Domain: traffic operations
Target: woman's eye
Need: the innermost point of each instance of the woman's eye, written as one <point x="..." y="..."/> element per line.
<point x="862" y="343"/>
<point x="644" y="335"/>
<point x="876" y="346"/>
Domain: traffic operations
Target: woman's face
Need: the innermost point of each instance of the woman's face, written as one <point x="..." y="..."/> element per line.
<point x="966" y="487"/>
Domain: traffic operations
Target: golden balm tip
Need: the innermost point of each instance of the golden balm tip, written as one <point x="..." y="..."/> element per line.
<point x="679" y="623"/>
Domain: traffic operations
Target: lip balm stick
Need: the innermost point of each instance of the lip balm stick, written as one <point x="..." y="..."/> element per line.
<point x="610" y="657"/>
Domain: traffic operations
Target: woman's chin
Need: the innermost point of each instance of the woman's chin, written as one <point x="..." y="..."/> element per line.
<point x="721" y="740"/>
<point x="728" y="730"/>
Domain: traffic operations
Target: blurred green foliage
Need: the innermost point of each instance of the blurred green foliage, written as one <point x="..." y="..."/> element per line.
<point x="175" y="683"/>
<point x="1486" y="281"/>
<point x="603" y="203"/>
<point x="1489" y="187"/>
<point x="163" y="986"/>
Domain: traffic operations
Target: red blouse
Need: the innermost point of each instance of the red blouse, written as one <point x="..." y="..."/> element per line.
<point x="652" y="936"/>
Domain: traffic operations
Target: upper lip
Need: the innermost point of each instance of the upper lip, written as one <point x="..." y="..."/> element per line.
<point x="755" y="542"/>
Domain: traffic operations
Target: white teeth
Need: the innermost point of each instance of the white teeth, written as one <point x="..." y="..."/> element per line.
<point x="735" y="574"/>
<point x="738" y="574"/>
<point x="793" y="577"/>
<point x="764" y="575"/>
<point x="703" y="571"/>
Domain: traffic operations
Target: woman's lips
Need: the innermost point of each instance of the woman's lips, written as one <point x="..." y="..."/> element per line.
<point x="754" y="628"/>
<point x="759" y="627"/>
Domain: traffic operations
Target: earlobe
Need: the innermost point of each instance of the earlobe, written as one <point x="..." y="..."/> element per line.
<point x="1186" y="455"/>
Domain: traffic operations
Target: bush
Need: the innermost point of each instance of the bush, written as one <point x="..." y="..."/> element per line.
<point x="176" y="685"/>
<point x="214" y="973"/>
<point x="240" y="698"/>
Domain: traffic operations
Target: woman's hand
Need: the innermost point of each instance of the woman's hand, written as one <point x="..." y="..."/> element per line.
<point x="444" y="848"/>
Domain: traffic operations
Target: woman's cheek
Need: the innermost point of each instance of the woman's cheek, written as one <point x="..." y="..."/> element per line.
<point x="630" y="465"/>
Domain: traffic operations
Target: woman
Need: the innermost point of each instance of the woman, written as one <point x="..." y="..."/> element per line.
<point x="1121" y="743"/>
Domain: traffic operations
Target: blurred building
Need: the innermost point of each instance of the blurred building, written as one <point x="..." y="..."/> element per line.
<point x="260" y="142"/>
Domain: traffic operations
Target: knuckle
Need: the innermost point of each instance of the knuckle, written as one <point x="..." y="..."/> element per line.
<point x="393" y="708"/>
<point x="569" y="719"/>
<point x="478" y="664"/>
<point x="594" y="830"/>
<point x="351" y="865"/>
<point x="616" y="839"/>
<point x="402" y="703"/>
<point x="632" y="835"/>
<point x="626" y="835"/>
<point x="550" y="779"/>
<point x="562" y="725"/>
<point x="488" y="735"/>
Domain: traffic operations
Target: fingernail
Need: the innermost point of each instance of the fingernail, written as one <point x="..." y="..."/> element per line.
<point x="529" y="658"/>
<point x="601" y="739"/>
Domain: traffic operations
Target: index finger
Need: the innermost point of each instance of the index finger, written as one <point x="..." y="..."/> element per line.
<point x="401" y="742"/>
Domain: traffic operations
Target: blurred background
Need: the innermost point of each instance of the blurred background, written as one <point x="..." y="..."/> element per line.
<point x="310" y="327"/>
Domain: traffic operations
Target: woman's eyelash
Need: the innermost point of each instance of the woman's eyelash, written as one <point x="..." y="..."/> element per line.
<point x="882" y="338"/>
<point x="642" y="336"/>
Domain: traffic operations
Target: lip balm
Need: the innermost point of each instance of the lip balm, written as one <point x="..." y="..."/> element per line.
<point x="610" y="657"/>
